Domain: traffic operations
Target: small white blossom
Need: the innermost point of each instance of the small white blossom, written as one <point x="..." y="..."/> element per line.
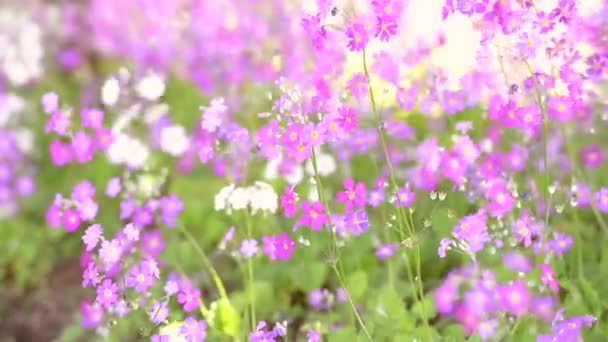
<point x="173" y="140"/>
<point x="151" y="87"/>
<point x="128" y="151"/>
<point x="110" y="92"/>
<point x="325" y="165"/>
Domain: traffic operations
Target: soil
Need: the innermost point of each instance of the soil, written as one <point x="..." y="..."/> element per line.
<point x="41" y="314"/>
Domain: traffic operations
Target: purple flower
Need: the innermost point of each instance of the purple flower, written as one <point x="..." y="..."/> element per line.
<point x="353" y="196"/>
<point x="193" y="330"/>
<point x="113" y="188"/>
<point x="386" y="251"/>
<point x="107" y="293"/>
<point x="313" y="336"/>
<point x="444" y="245"/>
<point x="171" y="287"/>
<point x="170" y="207"/>
<point x="376" y="197"/>
<point x="314" y="215"/>
<point x="90" y="276"/>
<point x="139" y="279"/>
<point x="159" y="312"/>
<point x="278" y="247"/>
<point x="357" y="223"/>
<point x="91" y="118"/>
<point x="212" y="115"/>
<point x="487" y="329"/>
<point x="516" y="261"/>
<point x="189" y="298"/>
<point x="560" y="244"/>
<point x="249" y="248"/>
<point x="110" y="252"/>
<point x="601" y="200"/>
<point x="514" y="298"/>
<point x="91" y="236"/>
<point x="50" y="103"/>
<point x="404" y="198"/>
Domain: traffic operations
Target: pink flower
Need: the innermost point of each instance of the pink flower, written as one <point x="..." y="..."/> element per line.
<point x="592" y="156"/>
<point x="547" y="277"/>
<point x="288" y="202"/>
<point x="404" y="198"/>
<point x="314" y="215"/>
<point x="278" y="247"/>
<point x="353" y="196"/>
<point x="347" y="119"/>
<point x="357" y="37"/>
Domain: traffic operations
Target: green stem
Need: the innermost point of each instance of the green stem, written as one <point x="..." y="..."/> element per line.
<point x="400" y="210"/>
<point x="206" y="262"/>
<point x="250" y="280"/>
<point x="335" y="251"/>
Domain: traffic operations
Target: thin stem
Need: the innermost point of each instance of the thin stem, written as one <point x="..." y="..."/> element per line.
<point x="400" y="213"/>
<point x="206" y="262"/>
<point x="337" y="266"/>
<point x="250" y="280"/>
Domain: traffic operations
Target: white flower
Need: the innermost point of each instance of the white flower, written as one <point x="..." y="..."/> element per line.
<point x="221" y="197"/>
<point x="128" y="151"/>
<point x="325" y="165"/>
<point x="151" y="87"/>
<point x="110" y="92"/>
<point x="239" y="199"/>
<point x="173" y="140"/>
<point x="263" y="198"/>
<point x="21" y="50"/>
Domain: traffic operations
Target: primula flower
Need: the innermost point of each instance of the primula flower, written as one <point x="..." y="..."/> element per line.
<point x="357" y="86"/>
<point x="158" y="313"/>
<point x="445" y="298"/>
<point x="139" y="279"/>
<point x="278" y="247"/>
<point x="189" y="297"/>
<point x="357" y="36"/>
<point x="249" y="248"/>
<point x="288" y="202"/>
<point x="92" y="315"/>
<point x="592" y="156"/>
<point x="71" y="220"/>
<point x="357" y="223"/>
<point x="517" y="262"/>
<point x="107" y="293"/>
<point x="91" y="236"/>
<point x="353" y="196"/>
<point x="404" y="197"/>
<point x="514" y="298"/>
<point x="347" y="119"/>
<point x="560" y="244"/>
<point x="110" y="252"/>
<point x="601" y="200"/>
<point x="385" y="29"/>
<point x="193" y="330"/>
<point x="313" y="336"/>
<point x="547" y="277"/>
<point x="385" y="251"/>
<point x="50" y="103"/>
<point x="91" y="118"/>
<point x="313" y="215"/>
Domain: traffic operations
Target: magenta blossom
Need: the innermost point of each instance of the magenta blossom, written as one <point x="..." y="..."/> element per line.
<point x="313" y="217"/>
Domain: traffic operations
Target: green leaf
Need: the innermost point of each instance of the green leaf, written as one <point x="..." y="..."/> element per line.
<point x="429" y="306"/>
<point x="391" y="303"/>
<point x="223" y="317"/>
<point x="590" y="296"/>
<point x="356" y="284"/>
<point x="310" y="276"/>
<point x="346" y="334"/>
<point x="453" y="332"/>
